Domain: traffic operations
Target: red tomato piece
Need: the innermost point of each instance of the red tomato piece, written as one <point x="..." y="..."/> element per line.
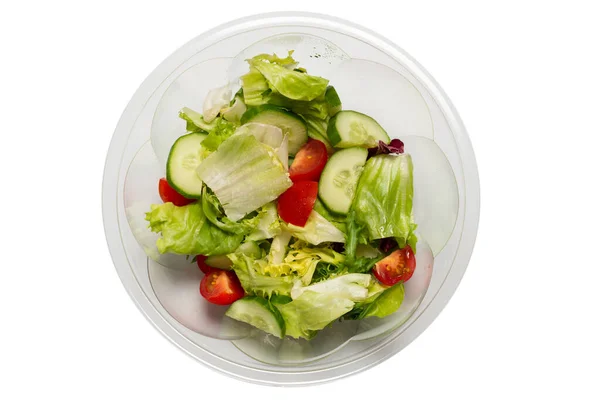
<point x="309" y="162"/>
<point x="200" y="260"/>
<point x="399" y="266"/>
<point x="296" y="203"/>
<point x="221" y="287"/>
<point x="170" y="195"/>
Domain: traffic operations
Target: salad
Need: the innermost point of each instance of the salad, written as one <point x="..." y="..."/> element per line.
<point x="299" y="213"/>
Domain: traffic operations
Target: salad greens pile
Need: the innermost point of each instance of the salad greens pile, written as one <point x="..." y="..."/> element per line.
<point x="227" y="207"/>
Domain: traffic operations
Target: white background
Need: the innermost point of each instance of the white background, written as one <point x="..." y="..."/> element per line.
<point x="524" y="323"/>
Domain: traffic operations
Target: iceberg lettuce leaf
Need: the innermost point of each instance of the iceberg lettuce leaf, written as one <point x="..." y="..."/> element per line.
<point x="244" y="174"/>
<point x="384" y="196"/>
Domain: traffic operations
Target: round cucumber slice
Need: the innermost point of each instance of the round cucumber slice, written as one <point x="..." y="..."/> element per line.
<point x="291" y="124"/>
<point x="351" y="128"/>
<point x="257" y="312"/>
<point x="184" y="158"/>
<point x="339" y="178"/>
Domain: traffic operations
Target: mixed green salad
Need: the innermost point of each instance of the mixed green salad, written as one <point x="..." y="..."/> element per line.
<point x="298" y="212"/>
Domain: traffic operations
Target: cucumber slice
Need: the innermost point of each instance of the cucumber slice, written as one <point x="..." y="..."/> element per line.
<point x="287" y="121"/>
<point x="184" y="158"/>
<point x="333" y="101"/>
<point x="223" y="262"/>
<point x="351" y="128"/>
<point x="338" y="180"/>
<point x="250" y="249"/>
<point x="257" y="312"/>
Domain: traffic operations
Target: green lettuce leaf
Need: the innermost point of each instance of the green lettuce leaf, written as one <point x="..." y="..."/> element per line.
<point x="233" y="113"/>
<point x="287" y="62"/>
<point x="355" y="236"/>
<point x="270" y="74"/>
<point x="310" y="258"/>
<point x="279" y="248"/>
<point x="289" y="83"/>
<point x="300" y="261"/>
<point x="339" y="221"/>
<point x="317" y="129"/>
<point x="215" y="100"/>
<point x="375" y="289"/>
<point x="317" y="230"/>
<point x="218" y="129"/>
<point x="195" y="121"/>
<point x="320" y="304"/>
<point x="265" y="278"/>
<point x="222" y="131"/>
<point x="255" y="280"/>
<point x="350" y="286"/>
<point x="384" y="196"/>
<point x="317" y="108"/>
<point x="244" y="175"/>
<point x="385" y="303"/>
<point x="213" y="211"/>
<point x="186" y="230"/>
<point x="268" y="225"/>
<point x="256" y="88"/>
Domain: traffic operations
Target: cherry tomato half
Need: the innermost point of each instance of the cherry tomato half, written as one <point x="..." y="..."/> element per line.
<point x="200" y="260"/>
<point x="221" y="287"/>
<point x="309" y="162"/>
<point x="170" y="195"/>
<point x="397" y="267"/>
<point x="296" y="203"/>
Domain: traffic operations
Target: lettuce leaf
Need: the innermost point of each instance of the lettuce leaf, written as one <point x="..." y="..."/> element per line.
<point x="311" y="312"/>
<point x="255" y="280"/>
<point x="244" y="175"/>
<point x="271" y="136"/>
<point x="339" y="221"/>
<point x="289" y="83"/>
<point x="316" y="108"/>
<point x="221" y="131"/>
<point x="215" y="100"/>
<point x="195" y="121"/>
<point x="384" y="196"/>
<point x="264" y="277"/>
<point x="287" y="62"/>
<point x="186" y="230"/>
<point x="317" y="230"/>
<point x="279" y="248"/>
<point x="355" y="236"/>
<point x="318" y="305"/>
<point x="350" y="286"/>
<point x="385" y="303"/>
<point x="213" y="211"/>
<point x="268" y="224"/>
<point x="233" y="113"/>
<point x="300" y="261"/>
<point x="256" y="88"/>
<point x="218" y="129"/>
<point x="317" y="129"/>
<point x="311" y="257"/>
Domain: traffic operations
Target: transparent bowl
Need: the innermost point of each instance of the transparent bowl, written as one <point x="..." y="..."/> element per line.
<point x="372" y="75"/>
